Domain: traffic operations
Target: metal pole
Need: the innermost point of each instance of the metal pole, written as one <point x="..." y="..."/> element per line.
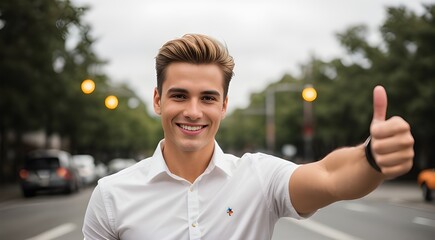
<point x="270" y="110"/>
<point x="270" y="119"/>
<point x="308" y="131"/>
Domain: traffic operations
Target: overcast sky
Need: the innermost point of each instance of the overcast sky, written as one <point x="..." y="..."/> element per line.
<point x="267" y="38"/>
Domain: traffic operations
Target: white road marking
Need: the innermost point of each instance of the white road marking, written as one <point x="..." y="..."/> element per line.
<point x="424" y="221"/>
<point x="322" y="229"/>
<point x="13" y="204"/>
<point x="55" y="232"/>
<point x="358" y="207"/>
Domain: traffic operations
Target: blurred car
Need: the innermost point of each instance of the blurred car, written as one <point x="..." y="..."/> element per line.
<point x="48" y="170"/>
<point x="426" y="181"/>
<point x="86" y="167"/>
<point x="101" y="170"/>
<point x="117" y="164"/>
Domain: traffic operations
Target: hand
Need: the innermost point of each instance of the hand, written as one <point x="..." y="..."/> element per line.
<point x="392" y="142"/>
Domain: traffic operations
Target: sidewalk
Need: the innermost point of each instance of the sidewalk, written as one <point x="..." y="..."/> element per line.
<point x="9" y="191"/>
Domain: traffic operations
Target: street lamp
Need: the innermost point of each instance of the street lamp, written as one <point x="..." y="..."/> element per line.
<point x="111" y="102"/>
<point x="309" y="94"/>
<point x="87" y="86"/>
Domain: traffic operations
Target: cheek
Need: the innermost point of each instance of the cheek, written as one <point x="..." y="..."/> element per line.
<point x="170" y="112"/>
<point x="217" y="114"/>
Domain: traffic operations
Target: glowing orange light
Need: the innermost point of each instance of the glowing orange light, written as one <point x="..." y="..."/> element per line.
<point x="309" y="94"/>
<point x="111" y="102"/>
<point x="88" y="86"/>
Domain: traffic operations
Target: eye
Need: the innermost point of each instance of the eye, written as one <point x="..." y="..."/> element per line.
<point x="178" y="97"/>
<point x="208" y="98"/>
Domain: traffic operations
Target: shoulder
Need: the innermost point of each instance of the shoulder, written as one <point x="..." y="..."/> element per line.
<point x="265" y="159"/>
<point x="133" y="173"/>
<point x="259" y="163"/>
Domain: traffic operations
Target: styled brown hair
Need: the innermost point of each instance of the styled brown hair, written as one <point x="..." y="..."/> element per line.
<point x="195" y="49"/>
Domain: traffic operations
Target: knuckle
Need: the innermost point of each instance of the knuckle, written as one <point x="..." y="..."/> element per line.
<point x="411" y="140"/>
<point x="409" y="165"/>
<point x="407" y="141"/>
<point x="401" y="124"/>
<point x="410" y="154"/>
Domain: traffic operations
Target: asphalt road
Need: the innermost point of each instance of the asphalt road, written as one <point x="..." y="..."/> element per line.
<point x="393" y="211"/>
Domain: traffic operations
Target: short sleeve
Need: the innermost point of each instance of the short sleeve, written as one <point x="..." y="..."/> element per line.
<point x="275" y="174"/>
<point x="96" y="223"/>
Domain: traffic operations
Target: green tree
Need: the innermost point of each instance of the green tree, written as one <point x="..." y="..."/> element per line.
<point x="46" y="52"/>
<point x="402" y="62"/>
<point x="30" y="36"/>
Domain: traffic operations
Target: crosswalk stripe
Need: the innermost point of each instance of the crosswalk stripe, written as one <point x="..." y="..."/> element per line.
<point x="424" y="221"/>
<point x="55" y="232"/>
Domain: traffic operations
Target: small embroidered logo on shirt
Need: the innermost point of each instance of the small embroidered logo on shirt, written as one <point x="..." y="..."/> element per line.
<point x="230" y="211"/>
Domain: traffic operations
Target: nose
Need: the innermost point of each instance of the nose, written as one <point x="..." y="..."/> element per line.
<point x="193" y="110"/>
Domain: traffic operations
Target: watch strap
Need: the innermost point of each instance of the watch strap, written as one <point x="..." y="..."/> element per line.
<point x="369" y="155"/>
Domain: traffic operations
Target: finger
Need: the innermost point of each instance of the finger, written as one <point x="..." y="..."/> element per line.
<point x="397" y="170"/>
<point x="387" y="144"/>
<point x="379" y="104"/>
<point x="391" y="127"/>
<point x="395" y="158"/>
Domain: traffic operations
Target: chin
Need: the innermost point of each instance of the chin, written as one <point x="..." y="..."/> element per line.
<point x="193" y="146"/>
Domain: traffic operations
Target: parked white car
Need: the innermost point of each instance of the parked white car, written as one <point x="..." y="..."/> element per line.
<point x="101" y="170"/>
<point x="117" y="164"/>
<point x="86" y="167"/>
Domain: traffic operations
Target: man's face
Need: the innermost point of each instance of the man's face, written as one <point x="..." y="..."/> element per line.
<point x="191" y="105"/>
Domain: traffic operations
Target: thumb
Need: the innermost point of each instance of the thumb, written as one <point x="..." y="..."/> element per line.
<point x="379" y="104"/>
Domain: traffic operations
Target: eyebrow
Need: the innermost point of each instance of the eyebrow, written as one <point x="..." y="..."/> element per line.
<point x="182" y="90"/>
<point x="177" y="90"/>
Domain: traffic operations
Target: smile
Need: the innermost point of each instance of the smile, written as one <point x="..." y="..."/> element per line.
<point x="191" y="128"/>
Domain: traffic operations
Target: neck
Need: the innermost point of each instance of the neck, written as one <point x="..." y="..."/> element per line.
<point x="187" y="165"/>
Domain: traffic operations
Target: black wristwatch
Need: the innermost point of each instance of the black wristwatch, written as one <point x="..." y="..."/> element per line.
<point x="369" y="154"/>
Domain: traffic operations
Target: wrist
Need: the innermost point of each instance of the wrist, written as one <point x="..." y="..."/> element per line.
<point x="369" y="154"/>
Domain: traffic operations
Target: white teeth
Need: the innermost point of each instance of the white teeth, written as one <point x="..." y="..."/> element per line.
<point x="191" y="128"/>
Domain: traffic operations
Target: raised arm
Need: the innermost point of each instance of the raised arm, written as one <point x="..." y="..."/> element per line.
<point x="345" y="173"/>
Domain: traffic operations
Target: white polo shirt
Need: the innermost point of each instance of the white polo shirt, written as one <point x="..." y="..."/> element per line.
<point x="235" y="198"/>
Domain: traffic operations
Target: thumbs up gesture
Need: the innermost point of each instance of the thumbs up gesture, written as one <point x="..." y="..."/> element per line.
<point x="392" y="144"/>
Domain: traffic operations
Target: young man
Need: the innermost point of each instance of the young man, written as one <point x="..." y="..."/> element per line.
<point x="190" y="189"/>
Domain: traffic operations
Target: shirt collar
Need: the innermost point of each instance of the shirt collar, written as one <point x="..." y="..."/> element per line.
<point x="219" y="160"/>
<point x="158" y="164"/>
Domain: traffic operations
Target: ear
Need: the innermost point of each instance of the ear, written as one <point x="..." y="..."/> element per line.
<point x="224" y="107"/>
<point x="156" y="102"/>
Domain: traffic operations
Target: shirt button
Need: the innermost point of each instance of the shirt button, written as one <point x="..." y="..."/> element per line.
<point x="194" y="224"/>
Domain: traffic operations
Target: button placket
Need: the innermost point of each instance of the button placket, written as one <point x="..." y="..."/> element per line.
<point x="193" y="212"/>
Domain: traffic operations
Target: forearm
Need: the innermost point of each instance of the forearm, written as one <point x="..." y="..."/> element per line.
<point x="349" y="174"/>
<point x="342" y="175"/>
<point x="345" y="173"/>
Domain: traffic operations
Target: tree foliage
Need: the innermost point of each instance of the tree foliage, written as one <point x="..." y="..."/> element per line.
<point x="403" y="62"/>
<point x="46" y="52"/>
